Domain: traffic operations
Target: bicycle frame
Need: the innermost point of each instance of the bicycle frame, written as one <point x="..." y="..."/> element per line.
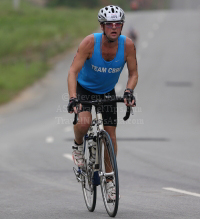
<point x="104" y="168"/>
<point x="100" y="128"/>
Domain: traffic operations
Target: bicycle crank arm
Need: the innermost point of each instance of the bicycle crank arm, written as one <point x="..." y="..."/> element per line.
<point x="77" y="174"/>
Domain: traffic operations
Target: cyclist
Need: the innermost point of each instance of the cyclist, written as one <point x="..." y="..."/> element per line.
<point x="132" y="34"/>
<point x="94" y="73"/>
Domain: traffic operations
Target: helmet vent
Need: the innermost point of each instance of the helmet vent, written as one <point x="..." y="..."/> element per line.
<point x="101" y="11"/>
<point x="105" y="14"/>
<point x="106" y="8"/>
<point x="113" y="11"/>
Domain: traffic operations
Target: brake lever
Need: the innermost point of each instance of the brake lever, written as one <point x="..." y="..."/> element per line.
<point x="75" y="119"/>
<point x="76" y="115"/>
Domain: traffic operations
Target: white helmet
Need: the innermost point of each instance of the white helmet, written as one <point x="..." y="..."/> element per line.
<point x="111" y="13"/>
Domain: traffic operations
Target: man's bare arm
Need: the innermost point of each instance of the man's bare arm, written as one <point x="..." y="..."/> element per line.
<point x="131" y="64"/>
<point x="84" y="52"/>
<point x="132" y="67"/>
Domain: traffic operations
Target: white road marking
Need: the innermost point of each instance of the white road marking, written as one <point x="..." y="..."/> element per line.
<point x="144" y="44"/>
<point x="49" y="139"/>
<point x="68" y="156"/>
<point x="68" y="129"/>
<point x="118" y="88"/>
<point x="183" y="192"/>
<point x="155" y="26"/>
<point x="150" y="35"/>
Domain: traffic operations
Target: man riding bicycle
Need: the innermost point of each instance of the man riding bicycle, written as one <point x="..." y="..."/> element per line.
<point x="94" y="73"/>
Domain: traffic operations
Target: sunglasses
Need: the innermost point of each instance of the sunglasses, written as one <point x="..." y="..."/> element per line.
<point x="111" y="24"/>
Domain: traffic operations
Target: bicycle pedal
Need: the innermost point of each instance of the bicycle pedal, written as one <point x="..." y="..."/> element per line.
<point x="110" y="201"/>
<point x="77" y="174"/>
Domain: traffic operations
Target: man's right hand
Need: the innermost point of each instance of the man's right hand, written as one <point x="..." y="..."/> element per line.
<point x="72" y="105"/>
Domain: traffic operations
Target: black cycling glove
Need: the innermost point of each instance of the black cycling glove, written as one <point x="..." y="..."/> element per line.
<point x="129" y="96"/>
<point x="72" y="103"/>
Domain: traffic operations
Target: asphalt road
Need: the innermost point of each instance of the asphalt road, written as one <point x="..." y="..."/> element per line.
<point x="185" y="4"/>
<point x="159" y="149"/>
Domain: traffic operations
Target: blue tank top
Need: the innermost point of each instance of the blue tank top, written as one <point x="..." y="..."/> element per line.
<point x="98" y="75"/>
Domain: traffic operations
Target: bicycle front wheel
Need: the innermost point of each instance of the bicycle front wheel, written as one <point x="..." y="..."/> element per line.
<point x="108" y="173"/>
<point x="89" y="190"/>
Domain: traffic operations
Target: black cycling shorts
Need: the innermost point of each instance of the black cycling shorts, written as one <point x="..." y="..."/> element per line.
<point x="109" y="111"/>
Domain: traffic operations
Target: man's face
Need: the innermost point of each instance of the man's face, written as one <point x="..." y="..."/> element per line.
<point x="112" y="29"/>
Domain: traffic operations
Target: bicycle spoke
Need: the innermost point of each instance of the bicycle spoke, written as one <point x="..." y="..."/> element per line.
<point x="109" y="174"/>
<point x="89" y="190"/>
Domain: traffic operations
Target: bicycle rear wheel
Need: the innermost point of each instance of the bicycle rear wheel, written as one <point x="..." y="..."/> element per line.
<point x="108" y="173"/>
<point x="89" y="190"/>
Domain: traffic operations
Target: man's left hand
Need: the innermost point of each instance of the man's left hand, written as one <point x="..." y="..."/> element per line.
<point x="129" y="98"/>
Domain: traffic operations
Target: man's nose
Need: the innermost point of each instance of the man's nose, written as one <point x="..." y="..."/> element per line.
<point x="113" y="25"/>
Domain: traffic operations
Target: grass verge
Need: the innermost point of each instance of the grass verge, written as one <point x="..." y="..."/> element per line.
<point x="30" y="36"/>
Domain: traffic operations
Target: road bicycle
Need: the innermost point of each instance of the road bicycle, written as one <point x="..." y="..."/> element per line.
<point x="103" y="168"/>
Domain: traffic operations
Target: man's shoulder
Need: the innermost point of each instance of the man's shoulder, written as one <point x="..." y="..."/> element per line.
<point x="88" y="39"/>
<point x="88" y="42"/>
<point x="129" y="43"/>
<point x="130" y="47"/>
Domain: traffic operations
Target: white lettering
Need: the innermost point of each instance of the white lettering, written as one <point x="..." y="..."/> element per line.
<point x="110" y="70"/>
<point x="99" y="69"/>
<point x="104" y="70"/>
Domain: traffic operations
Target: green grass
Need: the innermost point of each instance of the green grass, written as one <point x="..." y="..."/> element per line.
<point x="30" y="36"/>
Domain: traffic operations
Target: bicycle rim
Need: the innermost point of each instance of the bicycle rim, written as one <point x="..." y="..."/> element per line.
<point x="108" y="172"/>
<point x="89" y="190"/>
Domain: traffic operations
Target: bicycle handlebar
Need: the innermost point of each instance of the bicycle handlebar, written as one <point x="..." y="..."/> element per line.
<point x="101" y="102"/>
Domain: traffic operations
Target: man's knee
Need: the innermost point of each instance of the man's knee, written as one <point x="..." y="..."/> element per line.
<point x="112" y="132"/>
<point x="113" y="138"/>
<point x="83" y="126"/>
<point x="84" y="123"/>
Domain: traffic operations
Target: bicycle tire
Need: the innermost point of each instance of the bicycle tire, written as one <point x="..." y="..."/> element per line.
<point x="106" y="149"/>
<point x="89" y="190"/>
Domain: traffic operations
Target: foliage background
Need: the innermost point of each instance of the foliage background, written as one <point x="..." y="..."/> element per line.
<point x="37" y="30"/>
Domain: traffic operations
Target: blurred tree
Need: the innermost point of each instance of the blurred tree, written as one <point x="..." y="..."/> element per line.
<point x="124" y="4"/>
<point x="74" y="3"/>
<point x="16" y="4"/>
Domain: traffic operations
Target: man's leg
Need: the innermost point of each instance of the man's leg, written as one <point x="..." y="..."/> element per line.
<point x="110" y="186"/>
<point x="112" y="132"/>
<point x="81" y="128"/>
